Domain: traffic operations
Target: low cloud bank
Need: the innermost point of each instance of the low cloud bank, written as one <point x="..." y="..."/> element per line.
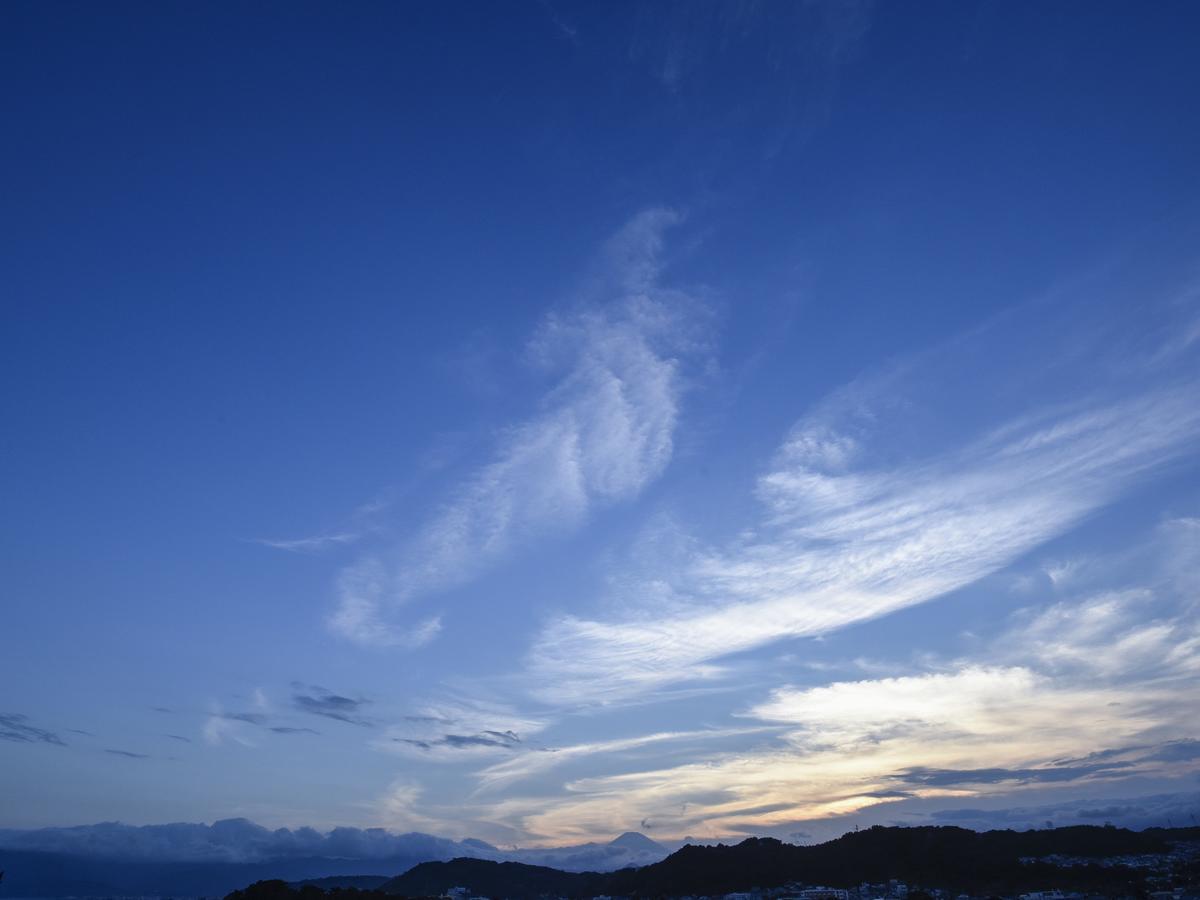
<point x="1155" y="811"/>
<point x="243" y="841"/>
<point x="227" y="840"/>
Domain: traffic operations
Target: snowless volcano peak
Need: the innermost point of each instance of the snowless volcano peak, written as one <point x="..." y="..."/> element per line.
<point x="635" y="840"/>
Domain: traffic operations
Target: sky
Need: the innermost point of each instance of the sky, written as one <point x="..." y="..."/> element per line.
<point x="537" y="421"/>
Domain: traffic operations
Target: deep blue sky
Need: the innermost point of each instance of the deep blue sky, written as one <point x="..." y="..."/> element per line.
<point x="758" y="404"/>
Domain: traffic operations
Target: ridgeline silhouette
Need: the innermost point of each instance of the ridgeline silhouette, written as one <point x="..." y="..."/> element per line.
<point x="933" y="856"/>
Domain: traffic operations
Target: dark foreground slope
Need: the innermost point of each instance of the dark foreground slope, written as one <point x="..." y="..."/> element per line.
<point x="945" y="857"/>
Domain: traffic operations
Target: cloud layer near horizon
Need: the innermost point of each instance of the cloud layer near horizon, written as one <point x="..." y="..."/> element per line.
<point x="243" y="841"/>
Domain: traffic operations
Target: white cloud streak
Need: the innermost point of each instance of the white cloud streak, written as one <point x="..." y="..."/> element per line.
<point x="537" y="762"/>
<point x="604" y="432"/>
<point x="310" y="544"/>
<point x="839" y="545"/>
<point x="458" y="728"/>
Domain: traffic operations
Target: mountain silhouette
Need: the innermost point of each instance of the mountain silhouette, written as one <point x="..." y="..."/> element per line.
<point x="941" y="856"/>
<point x="636" y="841"/>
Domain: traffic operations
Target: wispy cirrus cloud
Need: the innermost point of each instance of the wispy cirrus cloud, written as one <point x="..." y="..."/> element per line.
<point x="318" y="701"/>
<point x="357" y="526"/>
<point x="856" y="524"/>
<point x="847" y="548"/>
<point x="310" y="544"/>
<point x="504" y="739"/>
<point x="800" y="50"/>
<point x="250" y="718"/>
<point x="603" y="431"/>
<point x="535" y="762"/>
<point x="128" y="754"/>
<point x="240" y="725"/>
<point x="922" y="775"/>
<point x="1118" y="633"/>
<point x="16" y="727"/>
<point x="453" y="728"/>
<point x="1117" y="628"/>
<point x="220" y="727"/>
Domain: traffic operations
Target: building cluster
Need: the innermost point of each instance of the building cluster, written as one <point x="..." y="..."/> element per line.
<point x="892" y="890"/>
<point x="898" y="890"/>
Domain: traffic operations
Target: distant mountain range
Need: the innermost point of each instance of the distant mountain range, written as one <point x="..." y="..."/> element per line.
<point x="943" y="857"/>
<point x="187" y="860"/>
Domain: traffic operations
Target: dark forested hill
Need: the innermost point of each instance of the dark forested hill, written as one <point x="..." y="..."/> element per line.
<point x="342" y="882"/>
<point x="490" y="879"/>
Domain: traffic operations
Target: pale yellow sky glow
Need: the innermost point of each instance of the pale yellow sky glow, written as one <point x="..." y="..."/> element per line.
<point x="963" y="732"/>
